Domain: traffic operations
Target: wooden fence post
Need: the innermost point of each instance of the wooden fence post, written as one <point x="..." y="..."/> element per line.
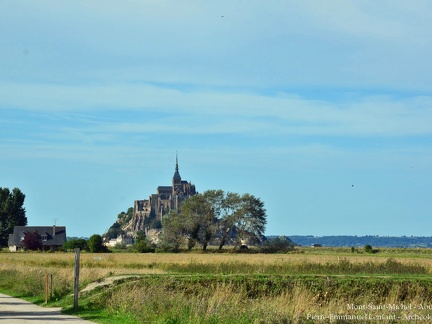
<point x="46" y="289"/>
<point x="76" y="278"/>
<point x="51" y="286"/>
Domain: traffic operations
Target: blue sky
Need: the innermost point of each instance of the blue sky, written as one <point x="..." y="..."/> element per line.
<point x="323" y="109"/>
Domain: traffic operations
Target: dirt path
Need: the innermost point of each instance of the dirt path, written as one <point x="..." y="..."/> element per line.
<point x="14" y="310"/>
<point x="108" y="281"/>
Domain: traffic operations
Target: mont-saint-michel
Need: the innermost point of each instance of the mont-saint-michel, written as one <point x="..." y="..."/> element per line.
<point x="166" y="199"/>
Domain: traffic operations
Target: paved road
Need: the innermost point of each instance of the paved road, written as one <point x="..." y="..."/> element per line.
<point x="14" y="311"/>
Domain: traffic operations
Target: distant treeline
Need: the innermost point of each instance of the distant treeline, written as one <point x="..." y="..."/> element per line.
<point x="376" y="241"/>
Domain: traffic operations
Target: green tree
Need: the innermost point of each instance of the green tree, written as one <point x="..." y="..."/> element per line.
<point x="142" y="244"/>
<point x="226" y="207"/>
<point x="76" y="243"/>
<point x="250" y="219"/>
<point x="12" y="212"/>
<point x="244" y="215"/>
<point x="32" y="241"/>
<point x="211" y="214"/>
<point x="368" y="248"/>
<point x="199" y="218"/>
<point x="173" y="233"/>
<point x="95" y="244"/>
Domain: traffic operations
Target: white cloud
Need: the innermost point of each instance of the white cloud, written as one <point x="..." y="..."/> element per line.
<point x="207" y="112"/>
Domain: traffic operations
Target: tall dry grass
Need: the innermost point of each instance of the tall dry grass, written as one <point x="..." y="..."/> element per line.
<point x="243" y="288"/>
<point x="250" y="301"/>
<point x="31" y="268"/>
<point x="121" y="261"/>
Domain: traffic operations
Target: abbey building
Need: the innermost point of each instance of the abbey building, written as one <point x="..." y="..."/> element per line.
<point x="148" y="212"/>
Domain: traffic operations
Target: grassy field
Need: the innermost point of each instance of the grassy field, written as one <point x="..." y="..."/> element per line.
<point x="305" y="286"/>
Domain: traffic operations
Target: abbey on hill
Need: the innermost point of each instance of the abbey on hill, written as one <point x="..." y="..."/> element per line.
<point x="167" y="198"/>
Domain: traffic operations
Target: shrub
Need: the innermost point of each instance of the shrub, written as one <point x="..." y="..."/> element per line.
<point x="279" y="244"/>
<point x="368" y="248"/>
<point x="95" y="244"/>
<point x="76" y="243"/>
<point x="120" y="246"/>
<point x="143" y="246"/>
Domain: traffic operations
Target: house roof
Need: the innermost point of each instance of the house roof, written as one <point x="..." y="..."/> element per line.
<point x="58" y="239"/>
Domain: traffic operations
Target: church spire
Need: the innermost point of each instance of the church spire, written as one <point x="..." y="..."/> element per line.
<point x="176" y="177"/>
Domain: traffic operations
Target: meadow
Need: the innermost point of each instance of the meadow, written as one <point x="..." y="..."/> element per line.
<point x="305" y="286"/>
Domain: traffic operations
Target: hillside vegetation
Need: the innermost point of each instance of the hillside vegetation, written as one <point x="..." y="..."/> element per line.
<point x="120" y="226"/>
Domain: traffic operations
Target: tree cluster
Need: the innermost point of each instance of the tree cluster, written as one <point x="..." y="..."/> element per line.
<point x="76" y="243"/>
<point x="12" y="212"/>
<point x="94" y="244"/>
<point x="215" y="215"/>
<point x="277" y="245"/>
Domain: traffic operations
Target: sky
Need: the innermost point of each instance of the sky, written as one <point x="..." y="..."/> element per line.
<point x="322" y="109"/>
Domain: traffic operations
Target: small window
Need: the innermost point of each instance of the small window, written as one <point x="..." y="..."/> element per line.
<point x="44" y="237"/>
